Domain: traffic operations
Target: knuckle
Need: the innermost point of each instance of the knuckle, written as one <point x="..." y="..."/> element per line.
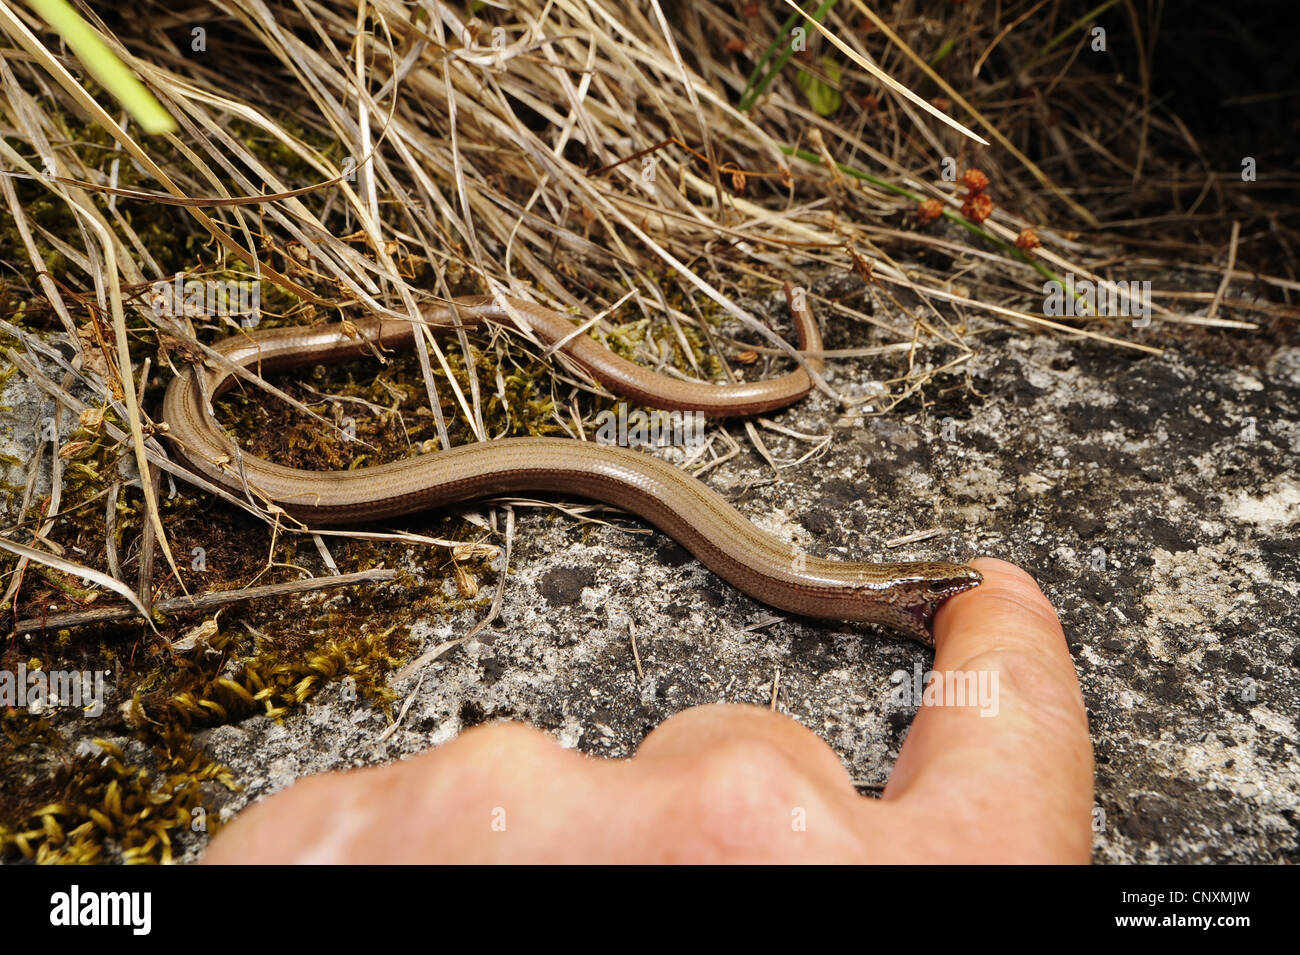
<point x="736" y="797"/>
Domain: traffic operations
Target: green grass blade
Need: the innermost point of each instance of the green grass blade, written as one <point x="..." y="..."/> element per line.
<point x="110" y="72"/>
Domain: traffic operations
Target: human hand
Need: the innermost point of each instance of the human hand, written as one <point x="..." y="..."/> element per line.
<point x="729" y="783"/>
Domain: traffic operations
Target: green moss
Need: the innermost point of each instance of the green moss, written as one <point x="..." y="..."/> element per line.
<point x="107" y="810"/>
<point x="279" y="675"/>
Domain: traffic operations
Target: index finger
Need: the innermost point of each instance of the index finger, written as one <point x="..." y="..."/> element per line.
<point x="999" y="748"/>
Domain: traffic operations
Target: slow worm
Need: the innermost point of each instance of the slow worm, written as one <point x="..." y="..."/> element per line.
<point x="902" y="596"/>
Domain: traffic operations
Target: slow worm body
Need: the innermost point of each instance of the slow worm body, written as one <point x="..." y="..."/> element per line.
<point x="898" y="595"/>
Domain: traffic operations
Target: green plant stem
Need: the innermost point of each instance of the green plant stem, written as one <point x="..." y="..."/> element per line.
<point x="948" y="46"/>
<point x="1057" y="40"/>
<point x="756" y="87"/>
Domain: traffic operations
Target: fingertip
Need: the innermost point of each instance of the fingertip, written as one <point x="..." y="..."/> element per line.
<point x="1007" y="610"/>
<point x="996" y="566"/>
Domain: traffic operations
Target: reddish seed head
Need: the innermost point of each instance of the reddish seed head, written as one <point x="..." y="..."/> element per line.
<point x="929" y="210"/>
<point x="977" y="208"/>
<point x="1028" y="240"/>
<point x="975" y="181"/>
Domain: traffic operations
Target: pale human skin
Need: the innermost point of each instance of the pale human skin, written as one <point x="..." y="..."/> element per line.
<point x="732" y="783"/>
